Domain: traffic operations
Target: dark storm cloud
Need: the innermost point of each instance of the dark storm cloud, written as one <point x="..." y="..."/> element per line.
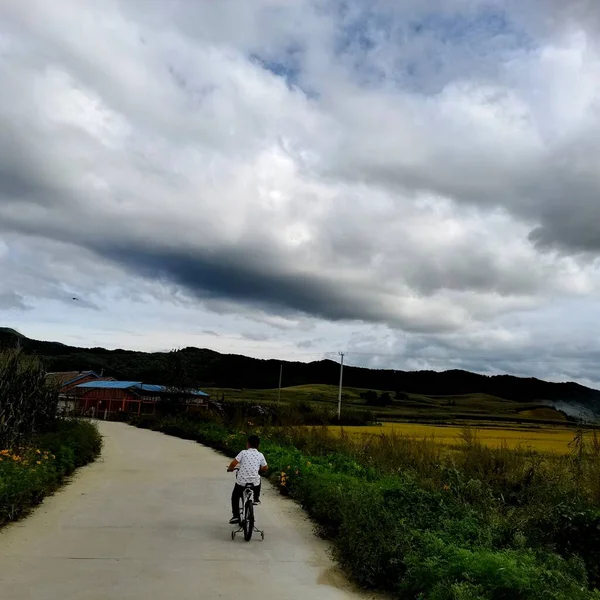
<point x="247" y="277"/>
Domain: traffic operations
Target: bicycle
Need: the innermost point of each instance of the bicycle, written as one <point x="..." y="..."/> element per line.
<point x="246" y="512"/>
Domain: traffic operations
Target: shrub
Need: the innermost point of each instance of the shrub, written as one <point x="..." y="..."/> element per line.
<point x="28" y="474"/>
<point x="74" y="443"/>
<point x="438" y="569"/>
<point x="572" y="529"/>
<point x="371" y="398"/>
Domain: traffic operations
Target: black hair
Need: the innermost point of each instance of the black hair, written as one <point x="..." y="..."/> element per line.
<point x="253" y="441"/>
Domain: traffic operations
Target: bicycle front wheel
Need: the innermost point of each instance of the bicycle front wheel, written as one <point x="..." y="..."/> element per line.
<point x="248" y="520"/>
<point x="241" y="510"/>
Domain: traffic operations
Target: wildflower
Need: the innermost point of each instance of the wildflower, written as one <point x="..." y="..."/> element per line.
<point x="53" y="457"/>
<point x="38" y="451"/>
<point x="38" y="462"/>
<point x="446" y="488"/>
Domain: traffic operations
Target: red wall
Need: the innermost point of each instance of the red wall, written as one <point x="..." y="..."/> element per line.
<point x="115" y="400"/>
<point x="107" y="399"/>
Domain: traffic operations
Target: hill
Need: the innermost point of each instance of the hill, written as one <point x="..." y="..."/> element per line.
<point x="207" y="368"/>
<point x="7" y="331"/>
<point x="483" y="409"/>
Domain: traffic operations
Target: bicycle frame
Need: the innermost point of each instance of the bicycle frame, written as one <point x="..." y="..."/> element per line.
<point x="246" y="515"/>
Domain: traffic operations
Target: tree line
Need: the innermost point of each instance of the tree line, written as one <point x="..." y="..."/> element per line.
<point x="206" y="368"/>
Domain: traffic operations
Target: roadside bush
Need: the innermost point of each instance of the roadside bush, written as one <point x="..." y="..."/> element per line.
<point x="572" y="529"/>
<point x="74" y="443"/>
<point x="28" y="474"/>
<point x="396" y="537"/>
<point x="437" y="569"/>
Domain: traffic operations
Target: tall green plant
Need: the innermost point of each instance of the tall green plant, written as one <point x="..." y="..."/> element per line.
<point x="27" y="404"/>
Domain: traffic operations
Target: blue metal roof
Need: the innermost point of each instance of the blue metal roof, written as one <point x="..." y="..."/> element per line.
<point x="114" y="385"/>
<point x="138" y="385"/>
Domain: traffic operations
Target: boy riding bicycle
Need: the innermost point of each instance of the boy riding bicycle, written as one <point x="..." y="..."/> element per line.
<point x="251" y="464"/>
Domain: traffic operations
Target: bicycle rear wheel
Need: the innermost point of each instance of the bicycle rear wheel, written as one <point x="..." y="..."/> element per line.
<point x="248" y="520"/>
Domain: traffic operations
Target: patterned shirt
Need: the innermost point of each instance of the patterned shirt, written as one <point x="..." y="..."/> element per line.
<point x="251" y="461"/>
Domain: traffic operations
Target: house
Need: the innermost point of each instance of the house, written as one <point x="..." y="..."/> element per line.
<point x="67" y="381"/>
<point x="109" y="398"/>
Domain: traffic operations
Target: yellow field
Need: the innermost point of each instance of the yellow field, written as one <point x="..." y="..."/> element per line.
<point x="548" y="439"/>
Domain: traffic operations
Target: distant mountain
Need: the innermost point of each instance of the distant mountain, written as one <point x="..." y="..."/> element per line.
<point x="212" y="369"/>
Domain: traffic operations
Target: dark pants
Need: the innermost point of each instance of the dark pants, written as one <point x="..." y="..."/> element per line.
<point x="238" y="490"/>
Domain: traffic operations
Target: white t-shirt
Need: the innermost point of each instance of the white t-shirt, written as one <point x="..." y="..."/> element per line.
<point x="251" y="461"/>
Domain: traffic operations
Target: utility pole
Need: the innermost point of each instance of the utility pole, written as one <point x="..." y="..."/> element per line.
<point x="280" y="376"/>
<point x="340" y="390"/>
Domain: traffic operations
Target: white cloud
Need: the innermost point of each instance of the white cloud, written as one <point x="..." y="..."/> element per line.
<point x="398" y="167"/>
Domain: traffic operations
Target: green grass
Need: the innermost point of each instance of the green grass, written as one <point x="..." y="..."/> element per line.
<point x="310" y="393"/>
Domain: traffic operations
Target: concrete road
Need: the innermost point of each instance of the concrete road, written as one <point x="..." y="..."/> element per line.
<point x="149" y="521"/>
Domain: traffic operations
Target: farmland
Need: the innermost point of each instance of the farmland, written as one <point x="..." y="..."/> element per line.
<point x="541" y="439"/>
<point x="464" y="409"/>
<point x="495" y="421"/>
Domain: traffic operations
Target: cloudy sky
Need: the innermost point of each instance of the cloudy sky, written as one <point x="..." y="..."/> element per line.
<point x="415" y="183"/>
